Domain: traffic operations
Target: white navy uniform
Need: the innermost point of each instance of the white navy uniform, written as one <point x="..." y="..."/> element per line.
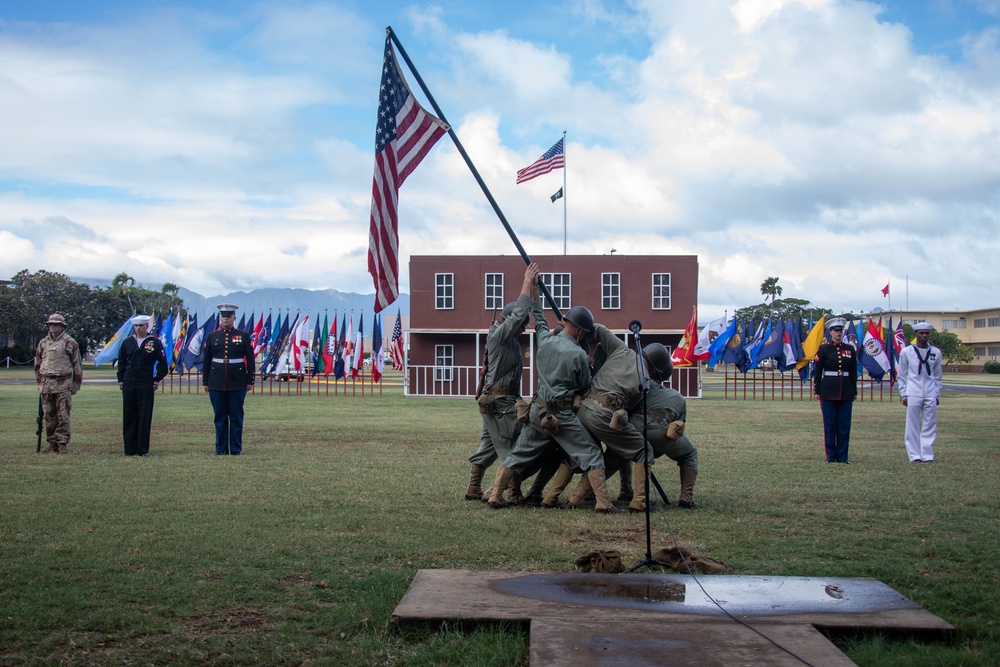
<point x="919" y="378"/>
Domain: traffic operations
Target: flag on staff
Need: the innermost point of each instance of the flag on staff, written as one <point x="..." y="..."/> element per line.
<point x="154" y="325"/>
<point x="282" y="356"/>
<point x="329" y="345"/>
<point x="340" y="365"/>
<point x="685" y="348"/>
<point x="299" y="356"/>
<point x="167" y="340"/>
<point x="810" y="346"/>
<point x="243" y="322"/>
<point x="110" y="351"/>
<point x="557" y="195"/>
<point x="554" y="158"/>
<point x="378" y="357"/>
<point x="175" y="336"/>
<point x="404" y="134"/>
<point x="396" y="346"/>
<point x="705" y="338"/>
<point x="718" y="346"/>
<point x="774" y="343"/>
<point x="194" y="353"/>
<point x="260" y="333"/>
<point x="735" y="352"/>
<point x="316" y="349"/>
<point x="359" y="348"/>
<point x="190" y="327"/>
<point x="276" y="331"/>
<point x="875" y="360"/>
<point x="885" y="290"/>
<point x="791" y="345"/>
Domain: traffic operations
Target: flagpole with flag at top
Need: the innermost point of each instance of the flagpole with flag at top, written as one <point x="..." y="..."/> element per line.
<point x="377" y="243"/>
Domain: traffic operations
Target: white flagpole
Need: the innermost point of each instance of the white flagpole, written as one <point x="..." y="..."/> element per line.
<point x="565" y="167"/>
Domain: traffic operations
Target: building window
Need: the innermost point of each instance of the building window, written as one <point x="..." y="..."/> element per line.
<point x="444" y="291"/>
<point x="954" y="324"/>
<point x="661" y="291"/>
<point x="979" y="323"/>
<point x="494" y="291"/>
<point x="444" y="360"/>
<point x="979" y="351"/>
<point x="994" y="350"/>
<point x="611" y="284"/>
<point x="559" y="287"/>
<point x="993" y="322"/>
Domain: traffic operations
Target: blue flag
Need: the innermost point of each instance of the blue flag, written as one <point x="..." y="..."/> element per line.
<point x="735" y="352"/>
<point x="194" y="352"/>
<point x="110" y="351"/>
<point x="718" y="346"/>
<point x="772" y="344"/>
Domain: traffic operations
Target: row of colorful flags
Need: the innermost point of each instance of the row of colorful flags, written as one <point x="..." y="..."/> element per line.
<point x="748" y="344"/>
<point x="285" y="346"/>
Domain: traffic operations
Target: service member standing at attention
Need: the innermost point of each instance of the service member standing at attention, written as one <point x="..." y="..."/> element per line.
<point x="140" y="356"/>
<point x="228" y="375"/>
<point x="59" y="374"/>
<point x="919" y="371"/>
<point x="836" y="386"/>
<point x="502" y="385"/>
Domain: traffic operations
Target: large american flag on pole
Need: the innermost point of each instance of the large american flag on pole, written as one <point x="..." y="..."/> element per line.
<point x="396" y="345"/>
<point x="404" y="134"/>
<point x="554" y="158"/>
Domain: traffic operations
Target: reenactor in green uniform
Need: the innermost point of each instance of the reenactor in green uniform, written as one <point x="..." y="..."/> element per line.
<point x="501" y="388"/>
<point x="59" y="374"/>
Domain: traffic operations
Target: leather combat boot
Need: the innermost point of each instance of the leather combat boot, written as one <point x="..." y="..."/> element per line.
<point x="625" y="491"/>
<point x="559" y="483"/>
<point x="638" y="503"/>
<point x="599" y="484"/>
<point x="686" y="499"/>
<point x="499" y="485"/>
<point x="514" y="496"/>
<point x="583" y="490"/>
<point x="475" y="490"/>
<point x="534" y="495"/>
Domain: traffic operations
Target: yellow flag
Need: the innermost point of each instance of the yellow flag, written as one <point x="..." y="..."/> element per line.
<point x="810" y="346"/>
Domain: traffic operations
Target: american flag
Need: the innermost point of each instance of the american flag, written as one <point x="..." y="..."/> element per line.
<point x="554" y="158"/>
<point x="396" y="345"/>
<point x="404" y="134"/>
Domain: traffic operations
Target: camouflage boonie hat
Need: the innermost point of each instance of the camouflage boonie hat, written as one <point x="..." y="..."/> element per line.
<point x="56" y="318"/>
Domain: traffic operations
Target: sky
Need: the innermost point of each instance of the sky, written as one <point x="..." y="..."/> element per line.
<point x="229" y="145"/>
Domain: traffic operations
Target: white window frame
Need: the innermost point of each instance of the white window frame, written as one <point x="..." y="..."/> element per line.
<point x="493" y="291"/>
<point x="444" y="291"/>
<point x="562" y="292"/>
<point x="444" y="362"/>
<point x="611" y="291"/>
<point x="658" y="296"/>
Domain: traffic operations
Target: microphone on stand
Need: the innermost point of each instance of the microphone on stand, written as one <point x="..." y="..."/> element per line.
<point x="635" y="326"/>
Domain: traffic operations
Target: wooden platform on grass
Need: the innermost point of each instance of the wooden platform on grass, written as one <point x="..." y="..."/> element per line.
<point x="633" y="620"/>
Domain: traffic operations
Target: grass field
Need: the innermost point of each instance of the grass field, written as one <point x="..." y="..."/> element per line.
<point x="297" y="552"/>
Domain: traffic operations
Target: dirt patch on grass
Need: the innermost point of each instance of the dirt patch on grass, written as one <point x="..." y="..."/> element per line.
<point x="225" y="621"/>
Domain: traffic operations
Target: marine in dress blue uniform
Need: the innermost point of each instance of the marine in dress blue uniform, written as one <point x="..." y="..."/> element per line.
<point x="836" y="385"/>
<point x="228" y="374"/>
<point x="142" y="365"/>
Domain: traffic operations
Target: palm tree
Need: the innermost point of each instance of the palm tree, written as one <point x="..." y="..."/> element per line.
<point x="122" y="283"/>
<point x="771" y="288"/>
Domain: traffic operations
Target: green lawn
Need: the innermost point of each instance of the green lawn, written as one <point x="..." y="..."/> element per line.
<point x="297" y="552"/>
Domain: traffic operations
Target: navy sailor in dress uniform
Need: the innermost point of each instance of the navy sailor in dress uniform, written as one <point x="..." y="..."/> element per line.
<point x="142" y="365"/>
<point x="228" y="374"/>
<point x="836" y="385"/>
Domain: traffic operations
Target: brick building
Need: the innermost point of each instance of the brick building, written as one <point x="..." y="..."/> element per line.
<point x="453" y="300"/>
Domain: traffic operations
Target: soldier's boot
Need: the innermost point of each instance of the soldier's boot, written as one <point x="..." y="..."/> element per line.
<point x="600" y="486"/>
<point x="501" y="482"/>
<point x="582" y="491"/>
<point x="686" y="499"/>
<point x="625" y="491"/>
<point x="62" y="448"/>
<point x="475" y="490"/>
<point x="638" y="503"/>
<point x="559" y="483"/>
<point x="537" y="489"/>
<point x="53" y="448"/>
<point x="514" y="495"/>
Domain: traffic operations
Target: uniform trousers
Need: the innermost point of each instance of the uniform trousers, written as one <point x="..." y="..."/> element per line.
<point x="228" y="406"/>
<point x="921" y="428"/>
<point x="500" y="432"/>
<point x="55" y="410"/>
<point x="137" y="418"/>
<point x="836" y="428"/>
<point x="534" y="443"/>
<point x="627" y="443"/>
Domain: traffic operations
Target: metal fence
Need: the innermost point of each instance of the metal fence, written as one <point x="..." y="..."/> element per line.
<point x="764" y="385"/>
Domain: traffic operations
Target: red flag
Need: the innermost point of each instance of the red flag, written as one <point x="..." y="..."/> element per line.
<point x="404" y="134"/>
<point x="396" y="346"/>
<point x="330" y="349"/>
<point x="684" y="353"/>
<point x="885" y="290"/>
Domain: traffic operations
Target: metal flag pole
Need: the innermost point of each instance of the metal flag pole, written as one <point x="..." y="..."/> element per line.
<point x="468" y="161"/>
<point x="565" y="167"/>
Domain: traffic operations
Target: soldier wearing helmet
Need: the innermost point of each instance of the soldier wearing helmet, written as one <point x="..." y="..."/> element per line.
<point x="501" y="388"/>
<point x="59" y="374"/>
<point x="665" y="420"/>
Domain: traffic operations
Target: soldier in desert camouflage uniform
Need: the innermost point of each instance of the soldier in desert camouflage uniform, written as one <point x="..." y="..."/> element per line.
<point x="59" y="374"/>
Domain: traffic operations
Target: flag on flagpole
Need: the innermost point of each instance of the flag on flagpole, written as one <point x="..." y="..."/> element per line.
<point x="404" y="134"/>
<point x="885" y="290"/>
<point x="330" y="346"/>
<point x="190" y="327"/>
<point x="359" y="348"/>
<point x="554" y="158"/>
<point x="875" y="359"/>
<point x="257" y="334"/>
<point x="718" y="346"/>
<point x="396" y="346"/>
<point x="167" y="339"/>
<point x="110" y="351"/>
<point x="340" y="365"/>
<point x="557" y="195"/>
<point x="810" y="346"/>
<point x="705" y="338"/>
<point x="684" y="351"/>
<point x="378" y="357"/>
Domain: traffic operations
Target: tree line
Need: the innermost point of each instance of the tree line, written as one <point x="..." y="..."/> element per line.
<point x="93" y="314"/>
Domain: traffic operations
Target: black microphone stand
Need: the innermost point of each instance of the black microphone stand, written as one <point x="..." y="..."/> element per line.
<point x="636" y="327"/>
